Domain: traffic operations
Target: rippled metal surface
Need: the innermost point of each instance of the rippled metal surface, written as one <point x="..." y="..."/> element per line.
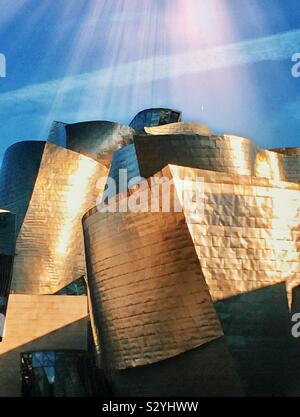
<point x="7" y="250"/>
<point x="49" y="248"/>
<point x="179" y="128"/>
<point x="149" y="295"/>
<point x="7" y="232"/>
<point x="248" y="236"/>
<point x="229" y="154"/>
<point x="155" y="117"/>
<point x="141" y="266"/>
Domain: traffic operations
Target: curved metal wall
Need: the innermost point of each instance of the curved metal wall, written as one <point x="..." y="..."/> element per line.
<point x="7" y="251"/>
<point x="155" y="117"/>
<point x="123" y="159"/>
<point x="184" y="128"/>
<point x="247" y="237"/>
<point x="229" y="154"/>
<point x="49" y="248"/>
<point x="18" y="175"/>
<point x="149" y="296"/>
<point x="98" y="139"/>
<point x="247" y="246"/>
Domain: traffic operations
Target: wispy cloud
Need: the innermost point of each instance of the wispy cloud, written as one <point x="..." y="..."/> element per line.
<point x="276" y="47"/>
<point x="73" y="91"/>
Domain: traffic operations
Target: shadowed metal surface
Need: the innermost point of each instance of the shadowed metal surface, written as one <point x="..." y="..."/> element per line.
<point x="49" y="249"/>
<point x="123" y="161"/>
<point x="7" y="251"/>
<point x="19" y="170"/>
<point x="95" y="139"/>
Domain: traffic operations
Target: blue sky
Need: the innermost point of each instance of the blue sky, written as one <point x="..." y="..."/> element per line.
<point x="225" y="63"/>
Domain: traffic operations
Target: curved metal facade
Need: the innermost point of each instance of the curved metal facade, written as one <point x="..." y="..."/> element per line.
<point x="228" y="154"/>
<point x="175" y="295"/>
<point x="98" y="140"/>
<point x="243" y="249"/>
<point x="19" y="170"/>
<point x="95" y="139"/>
<point x="7" y="251"/>
<point x="149" y="296"/>
<point x="49" y="248"/>
<point x="183" y="128"/>
<point x="125" y="160"/>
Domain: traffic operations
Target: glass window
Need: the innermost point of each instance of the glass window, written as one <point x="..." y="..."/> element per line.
<point x="77" y="287"/>
<point x="54" y="374"/>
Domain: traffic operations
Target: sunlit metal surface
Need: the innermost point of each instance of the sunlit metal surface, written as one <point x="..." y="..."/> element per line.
<point x="229" y="154"/>
<point x="177" y="128"/>
<point x="247" y="239"/>
<point x="49" y="248"/>
<point x="186" y="144"/>
<point x="248" y="236"/>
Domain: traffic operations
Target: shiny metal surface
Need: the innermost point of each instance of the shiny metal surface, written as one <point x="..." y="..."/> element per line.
<point x="19" y="170"/>
<point x="155" y="117"/>
<point x="148" y="293"/>
<point x="49" y="248"/>
<point x="175" y="144"/>
<point x="123" y="159"/>
<point x="95" y="139"/>
<point x="217" y="153"/>
<point x="248" y="237"/>
<point x="141" y="265"/>
<point x="98" y="140"/>
<point x="179" y="128"/>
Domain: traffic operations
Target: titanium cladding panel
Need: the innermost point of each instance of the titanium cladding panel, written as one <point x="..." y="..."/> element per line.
<point x="229" y="154"/>
<point x="49" y="248"/>
<point x="19" y="170"/>
<point x="248" y="235"/>
<point x="245" y="239"/>
<point x="149" y="296"/>
<point x="7" y="232"/>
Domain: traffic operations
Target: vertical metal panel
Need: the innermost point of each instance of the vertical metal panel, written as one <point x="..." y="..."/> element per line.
<point x="19" y="170"/>
<point x="49" y="249"/>
<point x="149" y="296"/>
